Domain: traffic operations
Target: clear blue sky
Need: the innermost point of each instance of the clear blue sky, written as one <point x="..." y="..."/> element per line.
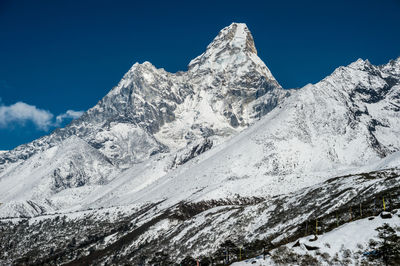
<point x="66" y="55"/>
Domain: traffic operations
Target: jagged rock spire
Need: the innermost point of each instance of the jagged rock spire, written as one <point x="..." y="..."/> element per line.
<point x="232" y="49"/>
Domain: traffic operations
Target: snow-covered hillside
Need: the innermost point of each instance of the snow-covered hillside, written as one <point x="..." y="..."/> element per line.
<point x="343" y="124"/>
<point x="348" y="244"/>
<point x="203" y="230"/>
<point x="317" y="133"/>
<point x="35" y="185"/>
<point x="163" y="151"/>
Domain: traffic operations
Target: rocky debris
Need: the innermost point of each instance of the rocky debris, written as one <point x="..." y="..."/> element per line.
<point x="386" y="215"/>
<point x="310" y="247"/>
<point x="297" y="244"/>
<point x="192" y="151"/>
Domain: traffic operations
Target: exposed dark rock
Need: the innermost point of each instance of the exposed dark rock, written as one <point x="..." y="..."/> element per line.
<point x="386" y="215"/>
<point x="310" y="247"/>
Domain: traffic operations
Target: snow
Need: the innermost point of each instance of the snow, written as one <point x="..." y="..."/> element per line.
<point x="36" y="178"/>
<point x="257" y="261"/>
<point x="351" y="235"/>
<point x="354" y="236"/>
<point x="301" y="143"/>
<point x="320" y="131"/>
<point x="290" y="148"/>
<point x="236" y="36"/>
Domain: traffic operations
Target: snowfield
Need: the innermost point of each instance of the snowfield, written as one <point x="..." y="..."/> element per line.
<point x="351" y="238"/>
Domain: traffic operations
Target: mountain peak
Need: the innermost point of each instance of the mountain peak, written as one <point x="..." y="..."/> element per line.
<point x="235" y="36"/>
<point x="392" y="68"/>
<point x="360" y="64"/>
<point x="232" y="49"/>
<point x="232" y="40"/>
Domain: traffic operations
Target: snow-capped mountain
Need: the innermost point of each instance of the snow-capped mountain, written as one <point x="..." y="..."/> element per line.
<point x="224" y="90"/>
<point x="151" y="111"/>
<point x="163" y="151"/>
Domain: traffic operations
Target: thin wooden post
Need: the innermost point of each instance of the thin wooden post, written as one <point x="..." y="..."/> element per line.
<point x="264" y="252"/>
<point x="337" y="220"/>
<point x="306" y="227"/>
<point x="351" y="215"/>
<point x="225" y="258"/>
<point x="316" y="226"/>
<point x="384" y="205"/>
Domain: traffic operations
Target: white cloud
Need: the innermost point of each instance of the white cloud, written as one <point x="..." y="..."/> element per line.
<point x="21" y="113"/>
<point x="70" y="114"/>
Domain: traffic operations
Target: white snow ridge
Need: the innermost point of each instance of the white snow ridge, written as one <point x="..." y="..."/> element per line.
<point x="214" y="165"/>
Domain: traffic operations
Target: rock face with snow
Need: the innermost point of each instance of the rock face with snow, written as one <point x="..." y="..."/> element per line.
<point x="224" y="91"/>
<point x="151" y="111"/>
<point x="167" y="147"/>
<point x="348" y="122"/>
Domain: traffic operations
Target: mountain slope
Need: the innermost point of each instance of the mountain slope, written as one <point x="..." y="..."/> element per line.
<point x="348" y="244"/>
<point x="203" y="230"/>
<point x="151" y="111"/>
<point x="29" y="188"/>
<point x="323" y="130"/>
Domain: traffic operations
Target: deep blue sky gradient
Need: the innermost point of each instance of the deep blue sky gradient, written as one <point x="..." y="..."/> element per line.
<point x="60" y="55"/>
